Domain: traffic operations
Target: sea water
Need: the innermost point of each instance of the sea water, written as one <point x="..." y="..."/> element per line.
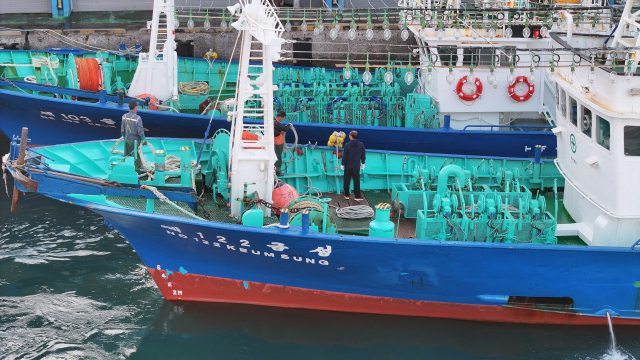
<point x="70" y="288"/>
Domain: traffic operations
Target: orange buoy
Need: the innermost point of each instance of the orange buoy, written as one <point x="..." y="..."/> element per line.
<point x="282" y="194"/>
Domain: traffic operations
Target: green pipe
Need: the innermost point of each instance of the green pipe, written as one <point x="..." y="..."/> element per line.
<point x="555" y="191"/>
<point x="324" y="217"/>
<point x="472" y="203"/>
<point x="443" y="177"/>
<point x="462" y="200"/>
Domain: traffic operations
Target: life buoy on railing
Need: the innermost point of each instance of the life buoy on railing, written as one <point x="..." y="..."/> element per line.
<point x="152" y="100"/>
<point x="468" y="97"/>
<point x="525" y="97"/>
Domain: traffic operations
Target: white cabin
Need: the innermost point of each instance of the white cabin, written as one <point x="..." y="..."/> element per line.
<point x="598" y="131"/>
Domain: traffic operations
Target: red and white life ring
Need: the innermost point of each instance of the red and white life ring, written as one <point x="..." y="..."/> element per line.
<point x="525" y="97"/>
<point x="468" y="97"/>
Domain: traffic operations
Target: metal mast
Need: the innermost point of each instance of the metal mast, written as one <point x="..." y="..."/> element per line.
<point x="252" y="162"/>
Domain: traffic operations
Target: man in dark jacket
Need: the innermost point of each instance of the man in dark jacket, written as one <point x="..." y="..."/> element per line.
<point x="353" y="158"/>
<point x="132" y="132"/>
<point x="278" y="139"/>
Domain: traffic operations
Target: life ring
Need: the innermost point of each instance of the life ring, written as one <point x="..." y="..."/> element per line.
<point x="468" y="97"/>
<point x="152" y="100"/>
<point x="521" y="98"/>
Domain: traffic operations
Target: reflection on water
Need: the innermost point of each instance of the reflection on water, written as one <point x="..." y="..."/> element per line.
<point x="70" y="288"/>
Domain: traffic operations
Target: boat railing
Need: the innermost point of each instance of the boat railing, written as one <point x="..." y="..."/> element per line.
<point x="519" y="127"/>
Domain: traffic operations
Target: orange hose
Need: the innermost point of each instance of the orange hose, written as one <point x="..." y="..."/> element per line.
<point x="89" y="74"/>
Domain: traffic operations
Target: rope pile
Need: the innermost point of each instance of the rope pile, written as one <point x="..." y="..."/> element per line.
<point x="40" y="62"/>
<point x="89" y="74"/>
<point x="355" y="212"/>
<point x="194" y="88"/>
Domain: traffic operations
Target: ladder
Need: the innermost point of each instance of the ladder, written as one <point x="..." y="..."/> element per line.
<point x="251" y="162"/>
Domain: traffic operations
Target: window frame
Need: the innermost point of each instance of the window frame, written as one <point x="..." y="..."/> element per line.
<point x="581" y="114"/>
<point x="624" y="140"/>
<point x="570" y="111"/>
<point x="597" y="137"/>
<point x="562" y="105"/>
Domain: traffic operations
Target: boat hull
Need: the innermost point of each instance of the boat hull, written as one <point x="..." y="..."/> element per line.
<point x="61" y="121"/>
<point x="191" y="260"/>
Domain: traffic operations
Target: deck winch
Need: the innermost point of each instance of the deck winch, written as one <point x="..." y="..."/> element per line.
<point x="329" y="99"/>
<point x="504" y="211"/>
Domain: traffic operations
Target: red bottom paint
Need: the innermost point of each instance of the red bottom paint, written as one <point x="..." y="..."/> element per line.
<point x="189" y="287"/>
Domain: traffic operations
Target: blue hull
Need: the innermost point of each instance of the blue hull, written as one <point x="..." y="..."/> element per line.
<point x="60" y="121"/>
<point x="206" y="261"/>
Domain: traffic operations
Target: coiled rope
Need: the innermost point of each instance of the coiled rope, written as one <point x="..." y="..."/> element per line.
<point x="39" y="62"/>
<point x="355" y="212"/>
<point x="194" y="88"/>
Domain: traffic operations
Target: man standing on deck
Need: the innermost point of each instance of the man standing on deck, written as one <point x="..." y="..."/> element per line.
<point x="352" y="157"/>
<point x="133" y="132"/>
<point x="278" y="136"/>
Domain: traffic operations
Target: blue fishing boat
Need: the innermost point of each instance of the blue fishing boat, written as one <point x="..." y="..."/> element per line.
<point x="76" y="96"/>
<point x="453" y="236"/>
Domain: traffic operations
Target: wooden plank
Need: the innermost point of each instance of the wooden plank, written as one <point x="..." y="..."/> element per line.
<point x="407" y="229"/>
<point x="339" y="200"/>
<point x="349" y="226"/>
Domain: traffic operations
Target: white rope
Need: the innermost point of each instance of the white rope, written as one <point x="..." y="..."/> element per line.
<point x="161" y="197"/>
<point x="39" y="62"/>
<point x="355" y="212"/>
<point x="113" y="149"/>
<point x="277" y="225"/>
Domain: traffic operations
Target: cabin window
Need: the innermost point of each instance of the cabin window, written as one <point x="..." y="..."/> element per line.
<point x="506" y="54"/>
<point x="448" y="55"/>
<point x="562" y="98"/>
<point x="481" y="56"/>
<point x="603" y="132"/>
<point x="573" y="111"/>
<point x="585" y="120"/>
<point x="632" y="140"/>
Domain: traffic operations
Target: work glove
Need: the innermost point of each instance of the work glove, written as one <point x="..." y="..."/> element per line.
<point x="143" y="139"/>
<point x="122" y="135"/>
<point x="362" y="167"/>
<point x="342" y="167"/>
<point x="289" y="126"/>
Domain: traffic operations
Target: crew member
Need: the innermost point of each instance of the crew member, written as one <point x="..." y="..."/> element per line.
<point x="278" y="136"/>
<point x="133" y="132"/>
<point x="353" y="158"/>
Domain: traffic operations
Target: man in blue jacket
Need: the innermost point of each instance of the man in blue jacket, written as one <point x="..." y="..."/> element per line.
<point x="133" y="132"/>
<point x="353" y="158"/>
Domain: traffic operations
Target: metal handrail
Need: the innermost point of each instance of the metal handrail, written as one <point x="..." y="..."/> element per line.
<point x="526" y="127"/>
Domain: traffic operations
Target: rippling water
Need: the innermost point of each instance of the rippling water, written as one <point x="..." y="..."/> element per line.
<point x="70" y="288"/>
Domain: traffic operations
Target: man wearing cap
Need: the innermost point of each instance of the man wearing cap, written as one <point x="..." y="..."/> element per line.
<point x="133" y="132"/>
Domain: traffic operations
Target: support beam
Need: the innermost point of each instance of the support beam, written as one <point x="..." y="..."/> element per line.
<point x="60" y="8"/>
